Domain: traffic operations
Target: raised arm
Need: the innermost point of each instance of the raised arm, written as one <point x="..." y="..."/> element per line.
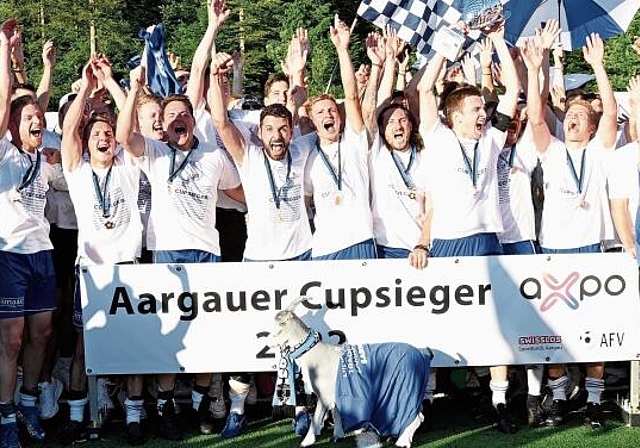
<point x="532" y="55"/>
<point x="17" y="57"/>
<point x="295" y="63"/>
<point x="130" y="140"/>
<point x="391" y="43"/>
<point x="593" y="53"/>
<point x="217" y="14"/>
<point x="6" y="35"/>
<point x="427" y="95"/>
<point x="376" y="51"/>
<point x="340" y="35"/>
<point x="48" y="63"/>
<point x="229" y="133"/>
<point x="71" y="147"/>
<point x="104" y="74"/>
<point x="507" y="104"/>
<point x="486" y="62"/>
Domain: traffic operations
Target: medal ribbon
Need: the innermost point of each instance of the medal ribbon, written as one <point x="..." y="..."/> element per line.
<point x="404" y="172"/>
<point x="337" y="177"/>
<point x="473" y="169"/>
<point x="272" y="182"/>
<point x="30" y="176"/>
<point x="572" y="169"/>
<point x="173" y="173"/>
<point x="512" y="156"/>
<point x="104" y="198"/>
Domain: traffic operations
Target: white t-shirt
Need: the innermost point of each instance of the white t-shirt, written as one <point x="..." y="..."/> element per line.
<point x="59" y="209"/>
<point x="624" y="181"/>
<point x="515" y="165"/>
<point x="206" y="132"/>
<point x="459" y="208"/>
<point x="183" y="212"/>
<point x="398" y="209"/>
<point x="571" y="219"/>
<point x="118" y="237"/>
<point x="23" y="227"/>
<point x="343" y="217"/>
<point x="275" y="233"/>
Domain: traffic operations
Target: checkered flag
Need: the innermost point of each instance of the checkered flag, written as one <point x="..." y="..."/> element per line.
<point x="415" y="21"/>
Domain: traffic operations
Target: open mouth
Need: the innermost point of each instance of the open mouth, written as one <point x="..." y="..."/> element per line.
<point x="573" y="126"/>
<point x="157" y="127"/>
<point x="180" y="130"/>
<point x="103" y="147"/>
<point x="36" y="132"/>
<point x="329" y="126"/>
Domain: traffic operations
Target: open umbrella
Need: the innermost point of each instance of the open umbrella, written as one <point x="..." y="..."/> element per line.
<point x="578" y="18"/>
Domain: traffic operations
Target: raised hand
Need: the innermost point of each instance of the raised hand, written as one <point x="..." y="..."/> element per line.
<point x="532" y="55"/>
<point x="89" y="79"/>
<point x="218" y="13"/>
<point x="485" y="48"/>
<point x="548" y="35"/>
<point x="593" y="51"/>
<point x="340" y="34"/>
<point x="49" y="54"/>
<point x="634" y="90"/>
<point x="391" y="41"/>
<point x="221" y="64"/>
<point x="298" y="52"/>
<point x="376" y="49"/>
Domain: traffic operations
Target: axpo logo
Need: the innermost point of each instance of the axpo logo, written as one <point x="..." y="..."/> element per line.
<point x="571" y="290"/>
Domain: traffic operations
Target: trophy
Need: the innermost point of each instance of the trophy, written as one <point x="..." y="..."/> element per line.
<point x="481" y="14"/>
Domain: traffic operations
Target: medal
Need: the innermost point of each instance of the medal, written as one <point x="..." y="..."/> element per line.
<point x="337" y="199"/>
<point x="336" y="176"/>
<point x="412" y="193"/>
<point x="104" y="196"/>
<point x="169" y="188"/>
<point x="479" y="195"/>
<point x="109" y="225"/>
<point x="584" y="205"/>
<point x="276" y="193"/>
<point x="405" y="171"/>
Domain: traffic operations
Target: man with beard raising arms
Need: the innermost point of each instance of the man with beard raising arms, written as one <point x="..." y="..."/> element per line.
<point x="27" y="279"/>
<point x="185" y="175"/>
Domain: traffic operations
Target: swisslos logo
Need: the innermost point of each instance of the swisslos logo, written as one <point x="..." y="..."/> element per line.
<point x="571" y="290"/>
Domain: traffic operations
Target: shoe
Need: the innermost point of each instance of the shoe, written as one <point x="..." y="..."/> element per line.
<point x="167" y="422"/>
<point x="252" y="396"/>
<point x="135" y="434"/>
<point x="205" y="417"/>
<point x="73" y="432"/>
<point x="535" y="415"/>
<point x="27" y="416"/>
<point x="216" y="393"/>
<point x="9" y="436"/>
<point x="61" y="370"/>
<point x="49" y="395"/>
<point x="301" y="423"/>
<point x="104" y="398"/>
<point x="505" y="423"/>
<point x="594" y="417"/>
<point x="557" y="413"/>
<point x="234" y="426"/>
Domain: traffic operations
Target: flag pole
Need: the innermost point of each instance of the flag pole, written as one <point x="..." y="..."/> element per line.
<point x="335" y="67"/>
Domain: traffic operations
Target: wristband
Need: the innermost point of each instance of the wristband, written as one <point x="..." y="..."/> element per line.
<point x="423" y="247"/>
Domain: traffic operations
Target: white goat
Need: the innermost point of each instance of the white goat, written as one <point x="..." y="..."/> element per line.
<point x="324" y="365"/>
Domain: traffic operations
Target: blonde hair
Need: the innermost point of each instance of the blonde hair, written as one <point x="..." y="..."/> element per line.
<point x="593" y="115"/>
<point x="313" y="100"/>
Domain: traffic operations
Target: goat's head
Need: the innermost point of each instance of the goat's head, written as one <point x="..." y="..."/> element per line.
<point x="289" y="329"/>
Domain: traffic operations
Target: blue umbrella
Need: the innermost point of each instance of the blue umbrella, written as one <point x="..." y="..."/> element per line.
<point x="578" y="18"/>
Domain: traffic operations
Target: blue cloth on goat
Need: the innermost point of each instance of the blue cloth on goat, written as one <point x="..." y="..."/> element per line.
<point x="160" y="76"/>
<point x="381" y="386"/>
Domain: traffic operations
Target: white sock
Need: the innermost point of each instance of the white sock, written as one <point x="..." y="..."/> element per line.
<point x="27" y="401"/>
<point x="133" y="410"/>
<point x="534" y="379"/>
<point x="76" y="409"/>
<point x="196" y="399"/>
<point x="559" y="387"/>
<point x="499" y="392"/>
<point x="594" y="387"/>
<point x="8" y="419"/>
<point x="237" y="393"/>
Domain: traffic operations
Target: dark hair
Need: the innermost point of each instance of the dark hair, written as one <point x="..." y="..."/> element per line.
<point x="414" y="138"/>
<point x="453" y="101"/>
<point x="20" y="103"/>
<point x="272" y="79"/>
<point x="276" y="110"/>
<point x="98" y="118"/>
<point x="23" y="85"/>
<point x="177" y="97"/>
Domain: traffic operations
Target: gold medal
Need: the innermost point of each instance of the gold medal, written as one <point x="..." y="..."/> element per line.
<point x="514" y="170"/>
<point x="109" y="225"/>
<point x="584" y="205"/>
<point x="412" y="193"/>
<point x="337" y="199"/>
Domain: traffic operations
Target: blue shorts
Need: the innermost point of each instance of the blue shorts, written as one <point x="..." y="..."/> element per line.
<point x="480" y="244"/>
<point x="184" y="256"/>
<point x="27" y="284"/>
<point x="305" y="256"/>
<point x="590" y="249"/>
<point x="365" y="250"/>
<point x="519" y="248"/>
<point x="392" y="252"/>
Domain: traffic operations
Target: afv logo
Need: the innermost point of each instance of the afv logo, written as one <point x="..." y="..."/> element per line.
<point x="572" y="290"/>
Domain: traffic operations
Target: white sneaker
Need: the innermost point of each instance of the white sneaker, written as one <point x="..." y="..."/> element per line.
<point x="218" y="406"/>
<point x="252" y="396"/>
<point x="49" y="395"/>
<point x="104" y="398"/>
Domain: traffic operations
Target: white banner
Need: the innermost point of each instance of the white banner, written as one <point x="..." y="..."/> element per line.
<point x="469" y="311"/>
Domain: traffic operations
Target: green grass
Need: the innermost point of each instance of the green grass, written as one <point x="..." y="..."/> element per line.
<point x="456" y="430"/>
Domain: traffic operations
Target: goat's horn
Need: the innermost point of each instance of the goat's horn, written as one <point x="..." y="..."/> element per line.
<point x="292" y="306"/>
